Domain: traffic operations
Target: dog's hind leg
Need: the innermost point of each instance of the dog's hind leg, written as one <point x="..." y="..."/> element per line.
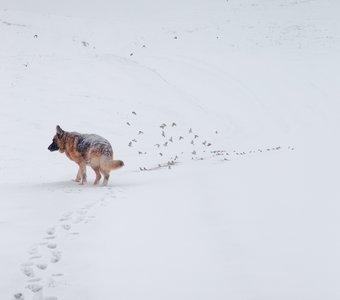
<point x="98" y="176"/>
<point x="106" y="176"/>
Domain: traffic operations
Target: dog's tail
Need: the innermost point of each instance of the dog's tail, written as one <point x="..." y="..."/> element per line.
<point x="115" y="164"/>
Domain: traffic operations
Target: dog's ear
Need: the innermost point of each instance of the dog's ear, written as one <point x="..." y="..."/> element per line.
<point x="60" y="132"/>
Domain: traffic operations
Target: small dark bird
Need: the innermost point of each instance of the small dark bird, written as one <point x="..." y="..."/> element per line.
<point x="134" y="113"/>
<point x="134" y="140"/>
<point x="209" y="144"/>
<point x="190" y="130"/>
<point x="140" y="132"/>
<point x="161" y="154"/>
<point x="192" y="142"/>
<point x="181" y="138"/>
<point x="170" y="140"/>
<point x="165" y="144"/>
<point x="163" y="126"/>
<point x="139" y="152"/>
<point x="196" y="136"/>
<point x="193" y="152"/>
<point x="204" y="143"/>
<point x="36" y="36"/>
<point x="173" y="124"/>
<point x="163" y="133"/>
<point x="131" y="54"/>
<point x="130" y="144"/>
<point x="128" y="123"/>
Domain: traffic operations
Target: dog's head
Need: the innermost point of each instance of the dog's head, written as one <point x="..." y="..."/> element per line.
<point x="58" y="141"/>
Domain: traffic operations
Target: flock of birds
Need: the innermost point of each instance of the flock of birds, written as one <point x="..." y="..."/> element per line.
<point x="177" y="146"/>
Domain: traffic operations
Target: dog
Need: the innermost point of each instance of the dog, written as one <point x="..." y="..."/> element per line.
<point x="86" y="149"/>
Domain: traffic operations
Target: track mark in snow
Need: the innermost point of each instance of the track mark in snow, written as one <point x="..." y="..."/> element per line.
<point x="34" y="287"/>
<point x="28" y="271"/>
<point x="18" y="296"/>
<point x="56" y="256"/>
<point x="34" y="280"/>
<point x="35" y="256"/>
<point x="41" y="266"/>
<point x="50" y="231"/>
<point x="52" y="245"/>
<point x="66" y="226"/>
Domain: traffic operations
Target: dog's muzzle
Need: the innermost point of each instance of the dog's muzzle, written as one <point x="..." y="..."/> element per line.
<point x="53" y="147"/>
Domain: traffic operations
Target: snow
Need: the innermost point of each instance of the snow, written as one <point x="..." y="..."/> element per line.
<point x="255" y="215"/>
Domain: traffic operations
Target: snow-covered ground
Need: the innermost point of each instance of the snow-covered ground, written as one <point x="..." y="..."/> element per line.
<point x="249" y="92"/>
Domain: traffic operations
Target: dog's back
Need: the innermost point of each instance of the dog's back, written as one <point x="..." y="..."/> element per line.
<point x="93" y="145"/>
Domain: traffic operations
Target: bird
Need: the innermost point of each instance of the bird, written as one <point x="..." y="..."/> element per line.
<point x="209" y="144"/>
<point x="165" y="144"/>
<point x="130" y="144"/>
<point x="193" y="152"/>
<point x="163" y="126"/>
<point x="161" y="154"/>
<point x="204" y="143"/>
<point x="190" y="130"/>
<point x="134" y="140"/>
<point x="140" y="132"/>
<point x="128" y="123"/>
<point x="163" y="133"/>
<point x="196" y="136"/>
<point x="181" y="138"/>
<point x="173" y="124"/>
<point x="134" y="113"/>
<point x="170" y="140"/>
<point x="192" y="142"/>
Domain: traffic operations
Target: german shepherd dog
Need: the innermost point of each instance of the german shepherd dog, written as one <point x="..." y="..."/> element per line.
<point x="86" y="149"/>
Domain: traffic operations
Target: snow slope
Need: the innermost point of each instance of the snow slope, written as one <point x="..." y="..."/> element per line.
<point x="244" y="203"/>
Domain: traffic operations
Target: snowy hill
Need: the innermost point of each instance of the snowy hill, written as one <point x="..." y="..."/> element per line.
<point x="235" y="198"/>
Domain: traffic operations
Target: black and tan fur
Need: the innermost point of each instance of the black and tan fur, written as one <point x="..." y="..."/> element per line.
<point x="86" y="149"/>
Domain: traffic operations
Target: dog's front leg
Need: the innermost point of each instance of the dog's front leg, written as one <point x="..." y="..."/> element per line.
<point x="82" y="170"/>
<point x="78" y="177"/>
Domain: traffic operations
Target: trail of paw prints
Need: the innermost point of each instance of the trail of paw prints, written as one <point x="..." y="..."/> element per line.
<point x="41" y="268"/>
